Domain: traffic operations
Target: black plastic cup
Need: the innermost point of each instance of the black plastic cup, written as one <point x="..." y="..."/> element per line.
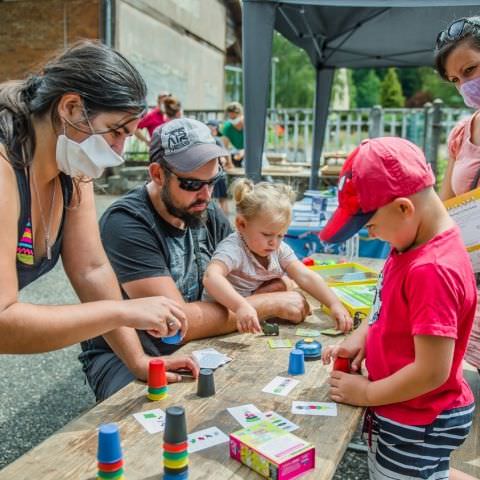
<point x="206" y="383"/>
<point x="175" y="425"/>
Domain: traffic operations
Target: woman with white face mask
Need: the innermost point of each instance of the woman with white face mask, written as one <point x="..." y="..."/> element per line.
<point x="59" y="129"/>
<point x="457" y="59"/>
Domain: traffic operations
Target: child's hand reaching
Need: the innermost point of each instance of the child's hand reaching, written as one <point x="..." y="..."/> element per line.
<point x="341" y="316"/>
<point x="247" y="319"/>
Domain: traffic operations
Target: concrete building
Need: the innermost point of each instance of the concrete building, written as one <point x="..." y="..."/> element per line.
<point x="178" y="45"/>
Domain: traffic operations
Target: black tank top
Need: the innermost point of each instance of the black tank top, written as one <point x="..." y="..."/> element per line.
<point x="28" y="269"/>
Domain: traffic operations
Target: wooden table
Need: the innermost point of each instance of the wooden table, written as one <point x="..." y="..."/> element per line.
<point x="71" y="452"/>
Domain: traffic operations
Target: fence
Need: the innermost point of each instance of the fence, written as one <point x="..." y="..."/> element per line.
<point x="290" y="130"/>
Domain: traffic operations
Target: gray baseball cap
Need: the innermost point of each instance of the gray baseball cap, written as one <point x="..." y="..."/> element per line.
<point x="185" y="144"/>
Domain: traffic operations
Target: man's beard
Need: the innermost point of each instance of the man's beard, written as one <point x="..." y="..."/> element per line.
<point x="193" y="220"/>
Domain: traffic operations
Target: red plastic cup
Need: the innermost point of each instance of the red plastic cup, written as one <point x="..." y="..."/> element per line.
<point x="308" y="261"/>
<point x="342" y="364"/>
<point x="157" y="376"/>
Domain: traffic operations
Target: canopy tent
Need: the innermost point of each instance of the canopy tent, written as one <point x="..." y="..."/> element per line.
<point x="335" y="33"/>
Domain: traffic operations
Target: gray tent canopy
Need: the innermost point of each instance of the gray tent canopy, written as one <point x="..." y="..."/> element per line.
<point x="335" y="34"/>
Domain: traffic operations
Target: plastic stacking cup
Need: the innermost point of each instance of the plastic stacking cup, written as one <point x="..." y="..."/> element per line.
<point x="296" y="364"/>
<point x="342" y="364"/>
<point x="206" y="383"/>
<point x="174" y="339"/>
<point x="175" y="425"/>
<point x="157" y="376"/>
<point x="109" y="449"/>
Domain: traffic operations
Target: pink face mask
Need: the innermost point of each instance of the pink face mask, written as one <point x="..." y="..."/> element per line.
<point x="470" y="91"/>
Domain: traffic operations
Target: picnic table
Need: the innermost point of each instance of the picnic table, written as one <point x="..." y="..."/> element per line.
<point x="71" y="452"/>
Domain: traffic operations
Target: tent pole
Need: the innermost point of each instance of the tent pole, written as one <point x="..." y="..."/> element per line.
<point x="258" y="23"/>
<point x="323" y="90"/>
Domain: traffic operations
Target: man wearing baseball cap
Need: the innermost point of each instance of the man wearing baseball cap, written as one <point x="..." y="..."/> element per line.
<point x="160" y="238"/>
<point x="416" y="335"/>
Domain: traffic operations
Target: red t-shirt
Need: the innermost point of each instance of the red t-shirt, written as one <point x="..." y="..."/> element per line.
<point x="429" y="290"/>
<point x="153" y="119"/>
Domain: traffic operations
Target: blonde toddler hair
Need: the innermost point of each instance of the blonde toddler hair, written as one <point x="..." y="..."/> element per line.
<point x="273" y="199"/>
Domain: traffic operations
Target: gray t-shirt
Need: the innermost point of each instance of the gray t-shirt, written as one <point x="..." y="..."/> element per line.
<point x="140" y="244"/>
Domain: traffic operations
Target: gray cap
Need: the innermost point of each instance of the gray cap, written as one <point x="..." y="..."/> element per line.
<point x="185" y="144"/>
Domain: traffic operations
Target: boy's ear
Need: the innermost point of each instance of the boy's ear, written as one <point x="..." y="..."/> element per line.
<point x="405" y="205"/>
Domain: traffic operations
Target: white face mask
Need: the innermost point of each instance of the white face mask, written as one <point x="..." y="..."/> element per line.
<point x="88" y="158"/>
<point x="236" y="121"/>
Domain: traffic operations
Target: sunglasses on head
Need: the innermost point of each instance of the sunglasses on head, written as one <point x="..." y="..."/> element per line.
<point x="455" y="31"/>
<point x="195" y="184"/>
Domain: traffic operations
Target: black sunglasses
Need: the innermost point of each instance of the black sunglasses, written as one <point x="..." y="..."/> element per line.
<point x="194" y="184"/>
<point x="454" y="32"/>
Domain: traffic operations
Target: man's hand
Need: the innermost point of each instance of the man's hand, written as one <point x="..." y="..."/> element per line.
<point x="348" y="388"/>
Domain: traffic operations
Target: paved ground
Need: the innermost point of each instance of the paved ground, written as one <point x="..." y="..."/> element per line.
<point x="40" y="393"/>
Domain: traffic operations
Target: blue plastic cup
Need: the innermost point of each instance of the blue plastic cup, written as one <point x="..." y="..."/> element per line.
<point x="296" y="363"/>
<point x="109" y="448"/>
<point x="174" y="339"/>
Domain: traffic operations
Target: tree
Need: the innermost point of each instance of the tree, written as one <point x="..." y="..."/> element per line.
<point x="439" y="88"/>
<point x="391" y="95"/>
<point x="367" y="88"/>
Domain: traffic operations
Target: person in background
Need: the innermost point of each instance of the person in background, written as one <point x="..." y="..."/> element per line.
<point x="220" y="192"/>
<point x="172" y="108"/>
<point x="457" y="57"/>
<point x="232" y="132"/>
<point x="153" y="119"/>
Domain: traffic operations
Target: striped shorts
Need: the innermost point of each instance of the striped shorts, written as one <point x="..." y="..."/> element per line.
<point x="403" y="452"/>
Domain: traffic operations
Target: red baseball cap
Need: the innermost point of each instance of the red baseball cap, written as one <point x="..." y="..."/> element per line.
<point x="377" y="172"/>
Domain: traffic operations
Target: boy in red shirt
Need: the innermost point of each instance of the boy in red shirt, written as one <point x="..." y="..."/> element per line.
<point x="420" y="406"/>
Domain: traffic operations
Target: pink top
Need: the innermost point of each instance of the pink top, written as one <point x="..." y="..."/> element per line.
<point x="465" y="154"/>
<point x="429" y="290"/>
<point x="153" y="119"/>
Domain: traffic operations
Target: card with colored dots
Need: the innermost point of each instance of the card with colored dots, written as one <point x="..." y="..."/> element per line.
<point x="246" y="415"/>
<point x="281" y="386"/>
<point x="152" y="420"/>
<point x="327" y="409"/>
<point x="307" y="332"/>
<point x="280" y="421"/>
<point x="205" y="438"/>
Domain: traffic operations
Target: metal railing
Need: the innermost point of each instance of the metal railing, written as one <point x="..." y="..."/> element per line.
<point x="290" y="130"/>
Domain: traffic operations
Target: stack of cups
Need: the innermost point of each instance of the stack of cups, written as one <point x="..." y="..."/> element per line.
<point x="175" y="445"/>
<point x="109" y="453"/>
<point x="206" y="383"/>
<point x="157" y="380"/>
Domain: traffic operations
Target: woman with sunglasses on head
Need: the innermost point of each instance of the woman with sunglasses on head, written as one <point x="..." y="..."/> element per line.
<point x="58" y="130"/>
<point x="457" y="58"/>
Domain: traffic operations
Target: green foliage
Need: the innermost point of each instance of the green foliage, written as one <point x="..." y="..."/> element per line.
<point x="367" y="87"/>
<point x="438" y="88"/>
<point x="295" y="76"/>
<point x="391" y="95"/>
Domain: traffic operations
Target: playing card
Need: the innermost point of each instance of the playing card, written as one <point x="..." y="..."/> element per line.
<point x="152" y="420"/>
<point x="210" y="358"/>
<point x="206" y="438"/>
<point x="279" y="343"/>
<point x="307" y="332"/>
<point x="280" y="421"/>
<point x="331" y="332"/>
<point x="328" y="409"/>
<point x="281" y="386"/>
<point x="246" y="415"/>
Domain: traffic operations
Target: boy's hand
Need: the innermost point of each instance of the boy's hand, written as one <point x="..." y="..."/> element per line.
<point x="347" y="388"/>
<point x="348" y="349"/>
<point x="247" y="319"/>
<point x="341" y="316"/>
